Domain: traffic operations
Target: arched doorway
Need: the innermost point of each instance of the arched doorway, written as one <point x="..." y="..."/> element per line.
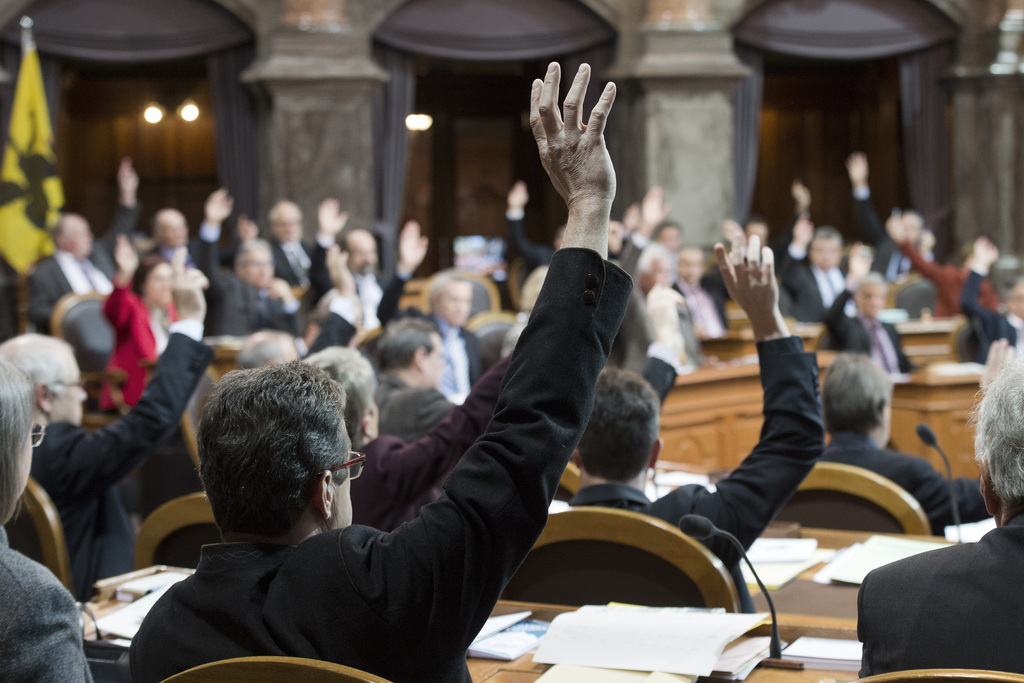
<point x="469" y="66"/>
<point x="838" y="76"/>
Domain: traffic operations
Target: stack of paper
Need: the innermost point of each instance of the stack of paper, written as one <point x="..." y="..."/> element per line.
<point x="669" y="639"/>
<point x="831" y="654"/>
<point x="970" y="532"/>
<point x="852" y="564"/>
<point x="508" y="637"/>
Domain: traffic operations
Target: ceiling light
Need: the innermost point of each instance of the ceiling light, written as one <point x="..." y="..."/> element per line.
<point x="188" y="110"/>
<point x="418" y="122"/>
<point x="154" y="113"/>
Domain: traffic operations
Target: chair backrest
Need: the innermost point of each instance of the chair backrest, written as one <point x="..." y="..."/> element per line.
<point x="517" y="273"/>
<point x="966" y="342"/>
<point x="944" y="676"/>
<point x="194" y="408"/>
<point x="593" y="555"/>
<point x="78" y="319"/>
<point x="174" y="532"/>
<point x="838" y="496"/>
<point x="485" y="293"/>
<point x="273" y="670"/>
<point x="569" y="484"/>
<point x="38" y="533"/>
<point x="490" y="328"/>
<point x="915" y="295"/>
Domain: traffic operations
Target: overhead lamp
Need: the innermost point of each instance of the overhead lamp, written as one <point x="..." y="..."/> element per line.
<point x="154" y="113"/>
<point x="418" y="122"/>
<point x="188" y="110"/>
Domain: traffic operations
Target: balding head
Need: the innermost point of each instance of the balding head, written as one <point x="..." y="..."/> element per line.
<point x="72" y="234"/>
<point x="170" y="229"/>
<point x="286" y="222"/>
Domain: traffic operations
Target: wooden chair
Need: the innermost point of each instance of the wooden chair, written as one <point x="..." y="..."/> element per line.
<point x="78" y="319"/>
<point x="965" y="342"/>
<point x="174" y="532"/>
<point x="943" y="676"/>
<point x="569" y="484"/>
<point x="597" y="555"/>
<point x="838" y="496"/>
<point x="273" y="670"/>
<point x="914" y="295"/>
<point x="485" y="293"/>
<point x="517" y="273"/>
<point x="190" y="418"/>
<point x="39" y="534"/>
<point x="490" y="328"/>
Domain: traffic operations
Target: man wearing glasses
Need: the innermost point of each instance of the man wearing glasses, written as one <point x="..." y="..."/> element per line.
<point x="79" y="469"/>
<point x="295" y="578"/>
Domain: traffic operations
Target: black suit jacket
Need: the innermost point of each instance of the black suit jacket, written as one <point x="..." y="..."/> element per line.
<point x="79" y="469"/>
<point x="805" y="302"/>
<point x="405" y="605"/>
<point x="958" y="607"/>
<point x="234" y="306"/>
<point x="849" y="334"/>
<point x="989" y="324"/>
<point x="47" y="283"/>
<point x="319" y="278"/>
<point x="873" y="232"/>
<point x="916" y="475"/>
<point x="748" y="499"/>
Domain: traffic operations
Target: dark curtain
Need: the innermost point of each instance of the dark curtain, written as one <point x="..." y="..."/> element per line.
<point x="393" y="101"/>
<point x="926" y="138"/>
<point x="494" y="30"/>
<point x="235" y="113"/>
<point x="746" y="125"/>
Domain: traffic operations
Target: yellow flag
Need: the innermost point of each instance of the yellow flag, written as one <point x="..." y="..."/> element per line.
<point x="31" y="194"/>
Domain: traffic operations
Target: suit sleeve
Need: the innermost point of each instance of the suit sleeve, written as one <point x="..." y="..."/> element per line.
<point x="98" y="459"/>
<point x="534" y="254"/>
<point x="660" y="375"/>
<point x="453" y="561"/>
<point x="319" y="276"/>
<point x="208" y="261"/>
<point x="840" y="325"/>
<point x="988" y="321"/>
<point x="335" y="331"/>
<point x="388" y="306"/>
<point x="792" y="438"/>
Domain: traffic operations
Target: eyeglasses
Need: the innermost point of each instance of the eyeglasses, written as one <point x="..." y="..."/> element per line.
<point x="80" y="384"/>
<point x="354" y="465"/>
<point x="38" y="432"/>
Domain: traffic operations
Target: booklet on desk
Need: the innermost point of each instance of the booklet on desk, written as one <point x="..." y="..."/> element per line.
<point x="852" y="564"/>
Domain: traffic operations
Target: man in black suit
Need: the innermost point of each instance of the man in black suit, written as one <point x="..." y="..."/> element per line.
<point x="251" y="298"/>
<point x="451" y="298"/>
<point x="295" y="578"/>
<point x="379" y="299"/>
<point x="80" y="265"/>
<point x="960" y="607"/>
<point x="80" y="468"/>
<point x="621" y="442"/>
<point x="864" y="332"/>
<point x="857" y="402"/>
<point x="811" y="276"/>
<point x="304" y="263"/>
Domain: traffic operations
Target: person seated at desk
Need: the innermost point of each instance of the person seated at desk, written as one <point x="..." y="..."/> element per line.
<point x="621" y="442"/>
<point x="40" y="628"/>
<point x="410" y="360"/>
<point x="295" y="577"/>
<point x="857" y="402"/>
<point x="865" y="333"/>
<point x="707" y="310"/>
<point x="812" y="277"/>
<point x="960" y="607"/>
<point x="79" y="468"/>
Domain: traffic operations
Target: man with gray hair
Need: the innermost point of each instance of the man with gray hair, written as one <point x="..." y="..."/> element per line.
<point x="811" y="275"/>
<point x="451" y="299"/>
<point x="251" y="298"/>
<point x="266" y="347"/>
<point x="410" y="360"/>
<point x="960" y="607"/>
<point x="857" y="400"/>
<point x="864" y="332"/>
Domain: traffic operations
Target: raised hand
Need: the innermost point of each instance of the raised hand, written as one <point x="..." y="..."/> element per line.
<point x="127" y="260"/>
<point x="801" y="196"/>
<point x="331" y="218"/>
<point x="412" y="247"/>
<point x="896" y="229"/>
<point x="749" y="277"/>
<point x="857" y="169"/>
<point x="575" y="156"/>
<point x="803" y="232"/>
<point x="631" y="219"/>
<point x="187" y="288"/>
<point x="127" y="183"/>
<point x="653" y="210"/>
<point x="218" y="207"/>
<point x="984" y="254"/>
<point x="518" y="196"/>
<point x="663" y="304"/>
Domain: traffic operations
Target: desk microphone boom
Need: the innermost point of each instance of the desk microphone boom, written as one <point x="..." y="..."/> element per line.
<point x="928" y="438"/>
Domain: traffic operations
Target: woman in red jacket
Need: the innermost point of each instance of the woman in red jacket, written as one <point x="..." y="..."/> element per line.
<point x="140" y="310"/>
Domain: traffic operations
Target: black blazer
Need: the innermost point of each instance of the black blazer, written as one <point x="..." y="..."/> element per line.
<point x="805" y="303"/>
<point x="848" y="334"/>
<point x="873" y="232"/>
<point x="989" y="324"/>
<point x="80" y="468"/>
<point x="319" y="278"/>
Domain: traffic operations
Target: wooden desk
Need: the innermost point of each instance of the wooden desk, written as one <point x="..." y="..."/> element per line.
<point x="712" y="417"/>
<point x="929" y="341"/>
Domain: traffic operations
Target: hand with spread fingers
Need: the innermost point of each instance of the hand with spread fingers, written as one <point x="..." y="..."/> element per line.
<point x="574" y="155"/>
<point x="749" y="277"/>
<point x="187" y="288"/>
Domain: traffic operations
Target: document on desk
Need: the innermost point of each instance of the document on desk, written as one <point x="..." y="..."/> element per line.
<point x="852" y="565"/>
<point x="777" y="574"/>
<point x="670" y="639"/>
<point x="567" y="673"/>
<point x="125" y="622"/>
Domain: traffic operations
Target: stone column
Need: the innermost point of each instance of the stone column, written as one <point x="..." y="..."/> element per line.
<point x="316" y="127"/>
<point x="988" y="154"/>
<point x="685" y="72"/>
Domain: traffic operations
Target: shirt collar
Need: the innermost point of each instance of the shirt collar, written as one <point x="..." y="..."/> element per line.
<point x="612" y="494"/>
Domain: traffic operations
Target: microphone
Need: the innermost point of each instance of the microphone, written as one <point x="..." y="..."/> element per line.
<point x="702" y="528"/>
<point x="928" y="438"/>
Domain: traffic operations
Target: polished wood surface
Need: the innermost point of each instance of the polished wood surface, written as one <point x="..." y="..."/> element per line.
<point x="712" y="417"/>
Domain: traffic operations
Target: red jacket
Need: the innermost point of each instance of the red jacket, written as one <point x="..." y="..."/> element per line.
<point x="134" y="343"/>
<point x="948" y="281"/>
